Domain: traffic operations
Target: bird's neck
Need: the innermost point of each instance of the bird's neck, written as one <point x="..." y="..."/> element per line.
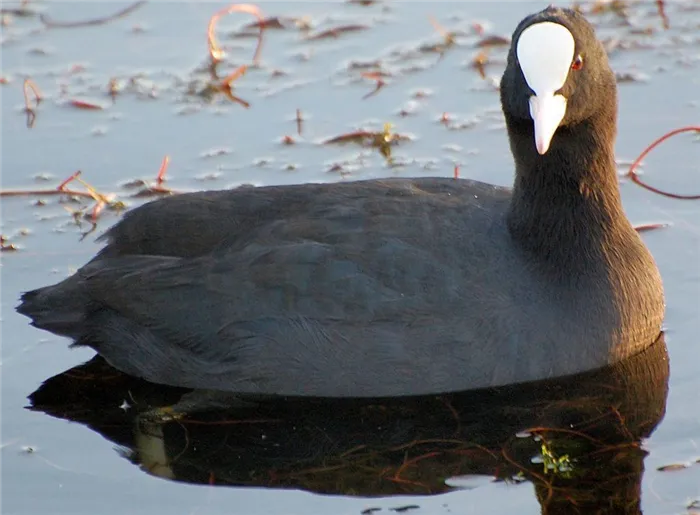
<point x="566" y="202"/>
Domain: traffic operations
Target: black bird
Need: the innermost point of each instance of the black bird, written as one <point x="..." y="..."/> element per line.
<point x="390" y="287"/>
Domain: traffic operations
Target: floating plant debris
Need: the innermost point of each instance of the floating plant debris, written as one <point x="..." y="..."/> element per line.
<point x="87" y="23"/>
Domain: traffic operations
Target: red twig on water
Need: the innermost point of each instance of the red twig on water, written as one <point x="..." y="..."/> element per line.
<point x="226" y="85"/>
<point x="24" y="193"/>
<point x="232" y="77"/>
<point x="214" y="51"/>
<point x="375" y="76"/>
<point x="83" y="104"/>
<point x="101" y="200"/>
<point x="62" y="186"/>
<point x="216" y="54"/>
<point x="660" y="6"/>
<point x="449" y="37"/>
<point x="160" y="177"/>
<point x="158" y="188"/>
<point x="480" y="61"/>
<point x="86" y="23"/>
<point x="30" y="85"/>
<point x="97" y="209"/>
<point x="632" y="174"/>
<point x="61" y="189"/>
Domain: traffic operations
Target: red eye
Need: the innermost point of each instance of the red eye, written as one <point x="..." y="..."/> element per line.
<point x="578" y="63"/>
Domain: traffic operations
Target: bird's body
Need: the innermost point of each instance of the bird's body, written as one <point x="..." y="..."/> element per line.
<point x="383" y="287"/>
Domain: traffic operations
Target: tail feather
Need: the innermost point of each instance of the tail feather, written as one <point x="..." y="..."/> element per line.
<point x="60" y="309"/>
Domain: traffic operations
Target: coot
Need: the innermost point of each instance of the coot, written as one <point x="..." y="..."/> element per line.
<point x="390" y="287"/>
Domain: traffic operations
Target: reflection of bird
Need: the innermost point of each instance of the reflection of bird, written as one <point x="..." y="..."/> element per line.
<point x="410" y="445"/>
<point x="390" y="287"/>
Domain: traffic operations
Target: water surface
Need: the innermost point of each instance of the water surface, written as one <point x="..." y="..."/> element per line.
<point x="158" y="56"/>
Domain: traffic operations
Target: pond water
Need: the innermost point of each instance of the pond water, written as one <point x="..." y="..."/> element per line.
<point x="157" y="56"/>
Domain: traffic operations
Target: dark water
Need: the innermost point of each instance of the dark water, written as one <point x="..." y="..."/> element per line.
<point x="52" y="466"/>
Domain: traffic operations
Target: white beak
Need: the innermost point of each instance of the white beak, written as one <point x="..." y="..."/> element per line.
<point x="545" y="51"/>
<point x="547" y="111"/>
